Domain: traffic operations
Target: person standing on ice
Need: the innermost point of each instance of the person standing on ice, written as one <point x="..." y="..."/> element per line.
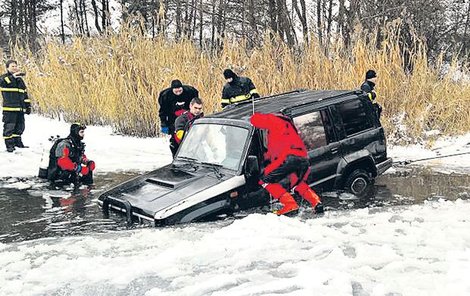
<point x="16" y="103"/>
<point x="173" y="102"/>
<point x="67" y="160"/>
<point x="288" y="166"/>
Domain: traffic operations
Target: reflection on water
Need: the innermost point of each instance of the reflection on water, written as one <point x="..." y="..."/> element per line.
<point x="36" y="211"/>
<point x="404" y="188"/>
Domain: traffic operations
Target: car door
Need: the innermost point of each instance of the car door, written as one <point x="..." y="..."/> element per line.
<point x="359" y="131"/>
<point x="317" y="131"/>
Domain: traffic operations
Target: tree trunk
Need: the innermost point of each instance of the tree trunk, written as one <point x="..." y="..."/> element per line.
<point x="319" y="22"/>
<point x="178" y="19"/>
<point x="273" y="15"/>
<point x="85" y="18"/>
<point x="302" y="15"/>
<point x="62" y="29"/>
<point x="252" y="21"/>
<point x="78" y="16"/>
<point x="201" y="24"/>
<point x="95" y="11"/>
<point x="329" y="20"/>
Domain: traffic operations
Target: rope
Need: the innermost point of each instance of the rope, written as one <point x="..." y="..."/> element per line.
<point x="406" y="162"/>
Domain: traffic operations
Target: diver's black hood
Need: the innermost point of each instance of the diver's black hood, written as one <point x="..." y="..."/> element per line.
<point x="74" y="132"/>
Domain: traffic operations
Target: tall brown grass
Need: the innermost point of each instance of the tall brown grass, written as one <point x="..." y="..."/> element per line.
<point x="116" y="79"/>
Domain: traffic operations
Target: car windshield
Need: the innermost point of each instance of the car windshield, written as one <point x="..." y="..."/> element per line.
<point x="214" y="144"/>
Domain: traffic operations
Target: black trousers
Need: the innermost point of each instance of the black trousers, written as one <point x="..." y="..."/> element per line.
<point x="292" y="164"/>
<point x="13" y="126"/>
<point x="61" y="177"/>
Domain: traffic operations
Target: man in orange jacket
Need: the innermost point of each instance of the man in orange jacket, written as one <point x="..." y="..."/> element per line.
<point x="288" y="163"/>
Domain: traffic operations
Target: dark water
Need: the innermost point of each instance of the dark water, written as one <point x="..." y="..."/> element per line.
<point x="41" y="212"/>
<point x="38" y="212"/>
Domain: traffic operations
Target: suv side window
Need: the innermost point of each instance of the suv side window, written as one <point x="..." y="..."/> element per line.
<point x="355" y="116"/>
<point x="311" y="130"/>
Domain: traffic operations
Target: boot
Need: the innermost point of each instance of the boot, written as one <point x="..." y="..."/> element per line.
<point x="10" y="144"/>
<point x="308" y="194"/>
<point x="289" y="204"/>
<point x="19" y="143"/>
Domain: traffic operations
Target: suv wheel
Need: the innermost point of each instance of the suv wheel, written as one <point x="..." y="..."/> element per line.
<point x="357" y="182"/>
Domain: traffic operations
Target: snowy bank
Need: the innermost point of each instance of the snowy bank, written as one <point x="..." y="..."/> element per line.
<point x="111" y="152"/>
<point x="115" y="153"/>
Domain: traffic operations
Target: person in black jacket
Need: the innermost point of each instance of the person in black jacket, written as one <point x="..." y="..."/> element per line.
<point x="173" y="102"/>
<point x="237" y="89"/>
<point x="15" y="104"/>
<point x="67" y="160"/>
<point x="368" y="87"/>
<point x="184" y="122"/>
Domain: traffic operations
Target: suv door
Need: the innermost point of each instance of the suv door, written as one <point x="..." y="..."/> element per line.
<point x="359" y="131"/>
<point x="317" y="131"/>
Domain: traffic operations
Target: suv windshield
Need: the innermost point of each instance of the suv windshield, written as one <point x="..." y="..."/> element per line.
<point x="214" y="144"/>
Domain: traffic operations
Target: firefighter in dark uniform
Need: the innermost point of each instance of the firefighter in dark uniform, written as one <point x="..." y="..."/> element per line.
<point x="287" y="163"/>
<point x="15" y="104"/>
<point x="368" y="87"/>
<point x="237" y="89"/>
<point x="173" y="102"/>
<point x="67" y="160"/>
<point x="184" y="122"/>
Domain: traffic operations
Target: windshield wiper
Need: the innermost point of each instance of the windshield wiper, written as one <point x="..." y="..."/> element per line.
<point x="189" y="161"/>
<point x="187" y="158"/>
<point x="215" y="167"/>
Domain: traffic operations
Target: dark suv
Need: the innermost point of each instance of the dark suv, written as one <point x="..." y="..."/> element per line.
<point x="217" y="166"/>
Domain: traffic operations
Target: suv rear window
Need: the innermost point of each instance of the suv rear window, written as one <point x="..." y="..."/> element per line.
<point x="311" y="130"/>
<point x="355" y="116"/>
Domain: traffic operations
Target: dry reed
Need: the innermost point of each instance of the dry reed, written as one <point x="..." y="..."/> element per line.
<point x="116" y="79"/>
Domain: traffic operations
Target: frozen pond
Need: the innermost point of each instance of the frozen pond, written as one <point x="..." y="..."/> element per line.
<point x="37" y="212"/>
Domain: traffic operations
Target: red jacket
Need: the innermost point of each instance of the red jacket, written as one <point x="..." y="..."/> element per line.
<point x="282" y="139"/>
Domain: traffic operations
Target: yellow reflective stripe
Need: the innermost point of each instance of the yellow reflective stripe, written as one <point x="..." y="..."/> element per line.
<point x="27" y="101"/>
<point x="226" y="101"/>
<point x="254" y="91"/>
<point x="370" y="96"/>
<point x="11" y="137"/>
<point x="12" y="109"/>
<point x="179" y="134"/>
<point x="240" y="98"/>
<point x="12" y="89"/>
<point x="7" y="80"/>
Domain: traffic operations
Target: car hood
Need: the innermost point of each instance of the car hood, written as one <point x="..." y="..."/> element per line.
<point x="167" y="186"/>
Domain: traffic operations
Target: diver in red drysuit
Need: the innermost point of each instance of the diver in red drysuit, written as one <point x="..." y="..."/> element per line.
<point x="288" y="166"/>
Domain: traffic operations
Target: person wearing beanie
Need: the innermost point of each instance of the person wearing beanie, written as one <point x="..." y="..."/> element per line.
<point x="368" y="87"/>
<point x="173" y="102"/>
<point x="68" y="163"/>
<point x="16" y="103"/>
<point x="237" y="89"/>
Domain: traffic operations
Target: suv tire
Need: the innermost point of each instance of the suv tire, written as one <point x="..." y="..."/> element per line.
<point x="357" y="182"/>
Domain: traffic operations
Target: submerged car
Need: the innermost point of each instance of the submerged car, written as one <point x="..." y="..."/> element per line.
<point x="217" y="166"/>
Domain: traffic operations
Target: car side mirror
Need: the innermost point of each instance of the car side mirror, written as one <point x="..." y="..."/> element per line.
<point x="252" y="166"/>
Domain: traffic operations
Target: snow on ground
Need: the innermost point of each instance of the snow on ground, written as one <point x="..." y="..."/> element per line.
<point x="121" y="153"/>
<point x="442" y="147"/>
<point x="110" y="152"/>
<point x="415" y="250"/>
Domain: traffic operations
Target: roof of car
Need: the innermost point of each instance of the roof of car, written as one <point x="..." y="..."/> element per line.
<point x="281" y="103"/>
